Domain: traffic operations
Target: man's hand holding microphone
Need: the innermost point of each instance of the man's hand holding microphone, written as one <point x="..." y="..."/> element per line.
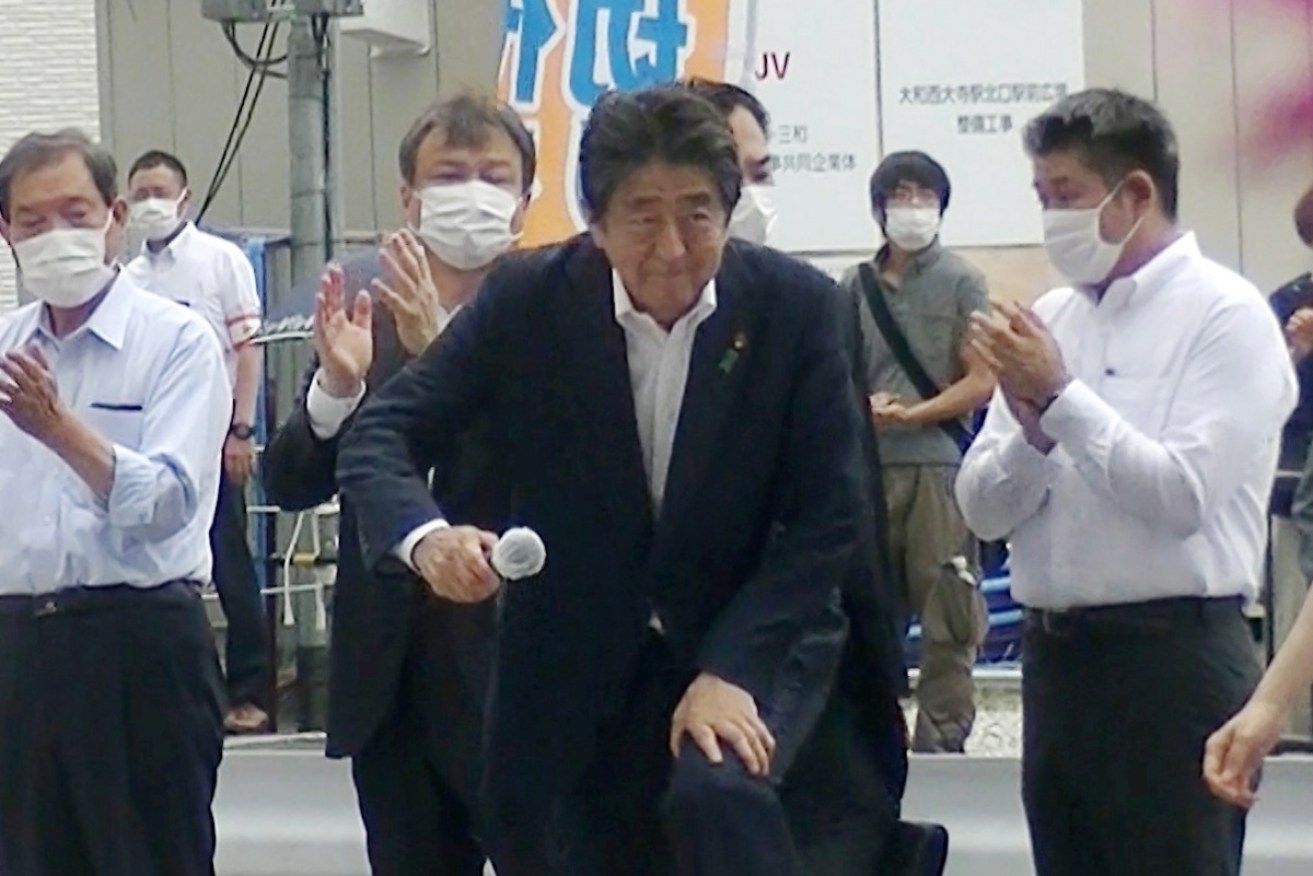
<point x="468" y="564"/>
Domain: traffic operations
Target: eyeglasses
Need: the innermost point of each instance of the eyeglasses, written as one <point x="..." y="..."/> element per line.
<point x="909" y="197"/>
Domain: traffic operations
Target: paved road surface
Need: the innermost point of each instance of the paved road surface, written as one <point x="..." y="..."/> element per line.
<point x="292" y="813"/>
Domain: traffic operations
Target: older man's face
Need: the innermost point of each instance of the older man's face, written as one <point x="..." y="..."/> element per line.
<point x="61" y="194"/>
<point x="664" y="232"/>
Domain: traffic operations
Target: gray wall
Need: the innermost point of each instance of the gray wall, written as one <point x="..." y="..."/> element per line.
<point x="169" y="79"/>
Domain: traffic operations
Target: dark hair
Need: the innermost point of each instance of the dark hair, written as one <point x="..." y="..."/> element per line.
<point x="465" y="120"/>
<point x="1112" y="133"/>
<point x="40" y="150"/>
<point x="727" y="98"/>
<point x="158" y="158"/>
<point x="668" y="123"/>
<point x="1304" y="217"/>
<point x="909" y="167"/>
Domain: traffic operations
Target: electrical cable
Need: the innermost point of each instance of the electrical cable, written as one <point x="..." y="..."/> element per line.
<point x="230" y="34"/>
<point x="257" y="75"/>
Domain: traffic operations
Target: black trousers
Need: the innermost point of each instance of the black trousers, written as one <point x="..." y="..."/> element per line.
<point x="843" y="795"/>
<point x="417" y="779"/>
<point x="1118" y="703"/>
<point x="638" y="812"/>
<point x="246" y="652"/>
<point x="111" y="733"/>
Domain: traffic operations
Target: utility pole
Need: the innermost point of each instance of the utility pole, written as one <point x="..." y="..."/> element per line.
<point x="308" y="81"/>
<point x="315" y="226"/>
<point x="311" y="117"/>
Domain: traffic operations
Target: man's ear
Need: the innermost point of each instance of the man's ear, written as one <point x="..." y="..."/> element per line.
<point x="408" y="196"/>
<point x="1141" y="186"/>
<point x="521" y="210"/>
<point x="4" y="230"/>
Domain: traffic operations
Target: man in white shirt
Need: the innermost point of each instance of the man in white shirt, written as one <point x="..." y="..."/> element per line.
<point x="1129" y="458"/>
<point x="214" y="278"/>
<point x="113" y="408"/>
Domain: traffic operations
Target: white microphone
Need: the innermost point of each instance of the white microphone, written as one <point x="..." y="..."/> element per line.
<point x="518" y="554"/>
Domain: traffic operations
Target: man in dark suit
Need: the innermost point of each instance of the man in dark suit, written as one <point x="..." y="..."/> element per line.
<point x="408" y="676"/>
<point x="674" y="413"/>
<point x="845" y="792"/>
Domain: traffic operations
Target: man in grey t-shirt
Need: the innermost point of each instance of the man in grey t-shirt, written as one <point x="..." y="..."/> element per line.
<point x="930" y="294"/>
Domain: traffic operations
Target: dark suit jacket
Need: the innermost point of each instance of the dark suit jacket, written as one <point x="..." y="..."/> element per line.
<point x="762" y="505"/>
<point x="375" y="610"/>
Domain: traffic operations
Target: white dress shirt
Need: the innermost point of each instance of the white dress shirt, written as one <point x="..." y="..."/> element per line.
<point x="658" y="373"/>
<point x="1167" y="441"/>
<point x="210" y="275"/>
<point x="147" y="376"/>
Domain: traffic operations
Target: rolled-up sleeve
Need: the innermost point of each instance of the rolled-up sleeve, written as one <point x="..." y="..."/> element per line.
<point x="158" y="486"/>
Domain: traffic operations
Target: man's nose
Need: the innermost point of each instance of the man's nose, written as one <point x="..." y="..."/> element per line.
<point x="670" y="244"/>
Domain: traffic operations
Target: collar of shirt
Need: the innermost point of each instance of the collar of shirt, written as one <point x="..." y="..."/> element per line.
<point x="171" y="244"/>
<point x="1151" y="274"/>
<point x="109" y="321"/>
<point x="629" y="316"/>
<point x="919" y="262"/>
<point x="445" y="316"/>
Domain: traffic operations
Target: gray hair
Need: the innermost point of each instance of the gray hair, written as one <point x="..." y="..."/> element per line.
<point x="37" y="150"/>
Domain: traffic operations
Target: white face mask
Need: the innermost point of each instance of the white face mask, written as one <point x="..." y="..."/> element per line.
<point x="754" y="214"/>
<point x="1077" y="248"/>
<point x="65" y="267"/>
<point x="155" y="218"/>
<point x="911" y="229"/>
<point x="468" y="224"/>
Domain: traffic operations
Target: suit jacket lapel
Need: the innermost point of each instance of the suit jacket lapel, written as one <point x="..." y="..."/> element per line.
<point x="715" y="376"/>
<point x="601" y="383"/>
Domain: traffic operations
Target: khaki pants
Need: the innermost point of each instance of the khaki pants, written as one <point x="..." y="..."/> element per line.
<point x="935" y="565"/>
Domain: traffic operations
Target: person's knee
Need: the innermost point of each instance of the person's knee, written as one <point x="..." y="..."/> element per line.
<point x="708" y="792"/>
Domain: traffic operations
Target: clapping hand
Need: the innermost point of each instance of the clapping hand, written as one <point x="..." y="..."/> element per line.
<point x="1299" y="333"/>
<point x="1020" y="349"/>
<point x="343" y="341"/>
<point x="28" y="395"/>
<point x="409" y="292"/>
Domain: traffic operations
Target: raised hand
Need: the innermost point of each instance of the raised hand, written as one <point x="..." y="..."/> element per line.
<point x="344" y="341"/>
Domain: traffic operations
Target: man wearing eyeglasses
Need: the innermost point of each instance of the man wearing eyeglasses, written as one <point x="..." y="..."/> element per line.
<point x="917" y="299"/>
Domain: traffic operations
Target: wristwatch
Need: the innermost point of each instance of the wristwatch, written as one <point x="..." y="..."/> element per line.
<point x="241" y="431"/>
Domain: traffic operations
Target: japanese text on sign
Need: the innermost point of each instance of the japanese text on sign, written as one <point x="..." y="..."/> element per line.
<point x="813" y="162"/>
<point x="643" y="48"/>
<point x="560" y="56"/>
<point x="985" y="124"/>
<point x="966" y="95"/>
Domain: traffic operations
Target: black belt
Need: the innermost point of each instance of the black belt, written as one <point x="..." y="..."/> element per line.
<point x="1135" y="614"/>
<point x="80" y="600"/>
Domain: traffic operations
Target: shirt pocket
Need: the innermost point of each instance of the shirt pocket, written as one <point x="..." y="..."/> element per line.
<point x="119" y="424"/>
<point x="1141" y="401"/>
